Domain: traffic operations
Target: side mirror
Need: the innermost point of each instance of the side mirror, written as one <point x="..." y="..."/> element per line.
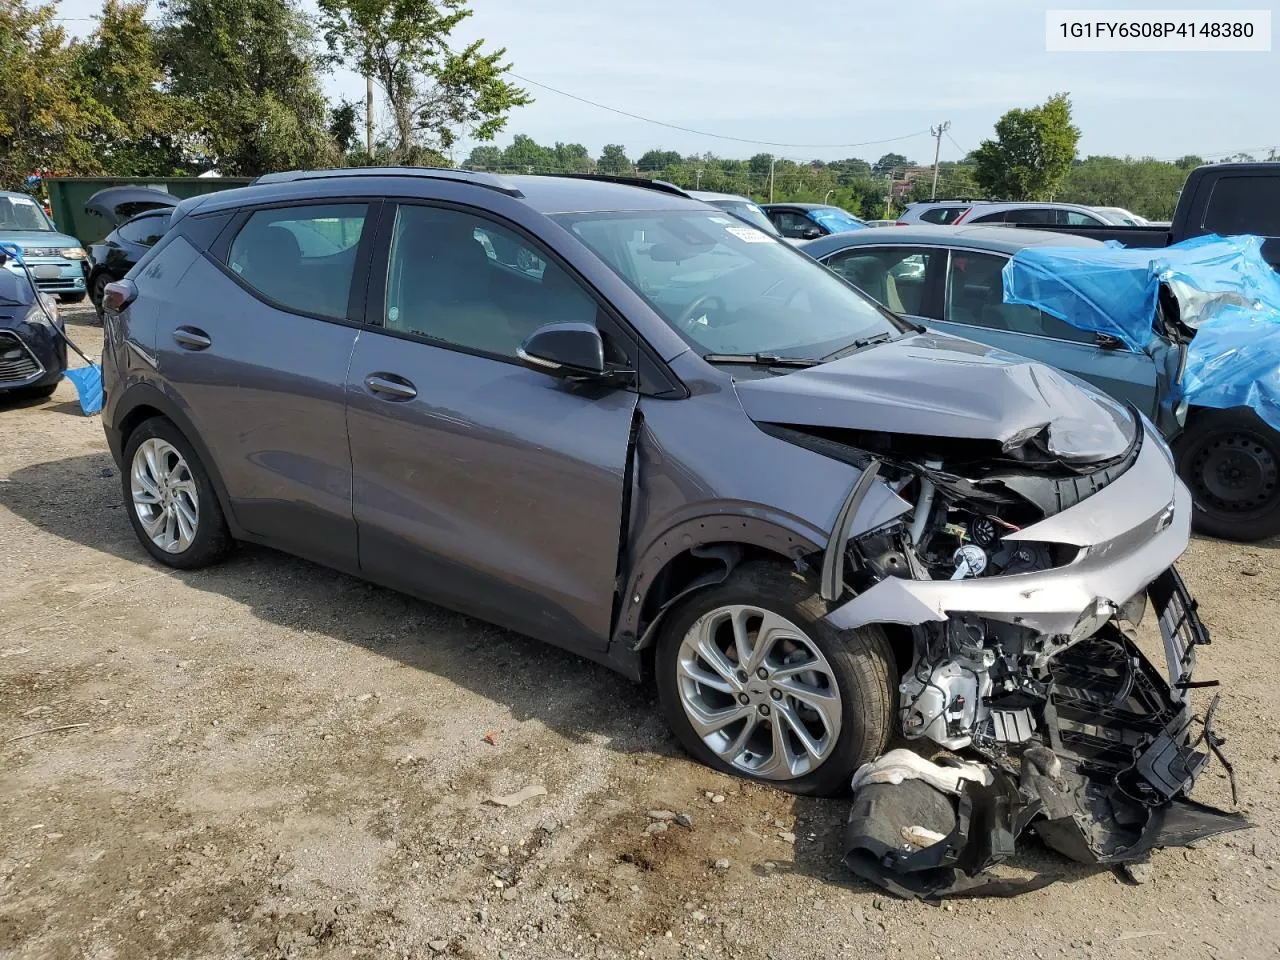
<point x="811" y="233"/>
<point x="568" y="349"/>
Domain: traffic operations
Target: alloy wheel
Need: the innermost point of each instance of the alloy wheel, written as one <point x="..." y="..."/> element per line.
<point x="164" y="495"/>
<point x="758" y="692"/>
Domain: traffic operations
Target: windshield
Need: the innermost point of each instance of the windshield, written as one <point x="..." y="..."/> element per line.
<point x="729" y="288"/>
<point x="749" y="212"/>
<point x="21" y="213"/>
<point x="836" y="220"/>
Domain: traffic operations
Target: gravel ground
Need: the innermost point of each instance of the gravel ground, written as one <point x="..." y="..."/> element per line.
<point x="270" y="759"/>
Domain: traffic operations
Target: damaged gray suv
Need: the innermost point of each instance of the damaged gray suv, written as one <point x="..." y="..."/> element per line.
<point x="616" y="419"/>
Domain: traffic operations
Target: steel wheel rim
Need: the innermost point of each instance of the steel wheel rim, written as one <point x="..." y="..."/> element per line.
<point x="164" y="495"/>
<point x="1236" y="473"/>
<point x="758" y="692"/>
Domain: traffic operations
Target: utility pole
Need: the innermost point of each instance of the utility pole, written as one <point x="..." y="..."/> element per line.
<point x="697" y="182"/>
<point x="772" y="161"/>
<point x="368" y="108"/>
<point x="936" y="133"/>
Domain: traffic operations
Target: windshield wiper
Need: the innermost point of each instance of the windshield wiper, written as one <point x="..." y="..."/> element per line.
<point x="761" y="359"/>
<point x="859" y="344"/>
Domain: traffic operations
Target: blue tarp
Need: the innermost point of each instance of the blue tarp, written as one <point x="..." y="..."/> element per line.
<point x="1226" y="292"/>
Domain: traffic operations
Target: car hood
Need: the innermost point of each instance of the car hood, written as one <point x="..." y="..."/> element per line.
<point x="934" y="385"/>
<point x="37" y="238"/>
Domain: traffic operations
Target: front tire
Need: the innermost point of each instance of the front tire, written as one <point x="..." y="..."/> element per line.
<point x="1230" y="460"/>
<point x="171" y="502"/>
<point x="753" y="682"/>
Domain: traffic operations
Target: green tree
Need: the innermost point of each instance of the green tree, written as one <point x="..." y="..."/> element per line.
<point x="573" y="158"/>
<point x="138" y="129"/>
<point x="1032" y="153"/>
<point x="245" y="72"/>
<point x="890" y="163"/>
<point x="613" y="160"/>
<point x="344" y="125"/>
<point x="484" y="157"/>
<point x="526" y="155"/>
<point x="45" y="117"/>
<point x="434" y="94"/>
<point x="652" y="160"/>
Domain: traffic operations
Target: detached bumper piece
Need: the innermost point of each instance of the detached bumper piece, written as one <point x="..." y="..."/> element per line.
<point x="1103" y="783"/>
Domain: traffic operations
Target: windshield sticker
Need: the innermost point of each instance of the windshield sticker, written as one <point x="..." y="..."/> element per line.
<point x="750" y="234"/>
<point x="23" y="200"/>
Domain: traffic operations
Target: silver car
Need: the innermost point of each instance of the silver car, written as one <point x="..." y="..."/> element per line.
<point x="953" y="212"/>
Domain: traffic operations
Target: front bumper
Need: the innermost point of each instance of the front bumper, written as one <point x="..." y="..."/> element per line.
<point x="1128" y="533"/>
<point x="31" y="355"/>
<point x="55" y="275"/>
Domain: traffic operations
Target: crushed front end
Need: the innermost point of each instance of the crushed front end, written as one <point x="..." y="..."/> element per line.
<point x="1023" y="580"/>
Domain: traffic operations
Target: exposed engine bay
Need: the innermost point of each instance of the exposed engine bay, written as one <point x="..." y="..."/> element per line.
<point x="1074" y="734"/>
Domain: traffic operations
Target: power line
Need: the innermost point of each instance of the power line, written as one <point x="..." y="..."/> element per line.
<point x="963" y="152"/>
<point x="704" y="133"/>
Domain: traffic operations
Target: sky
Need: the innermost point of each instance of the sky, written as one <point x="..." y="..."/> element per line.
<point x="825" y="77"/>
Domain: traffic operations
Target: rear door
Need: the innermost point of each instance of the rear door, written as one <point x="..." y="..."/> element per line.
<point x="257" y="355"/>
<point x="492" y="488"/>
<point x="973" y="306"/>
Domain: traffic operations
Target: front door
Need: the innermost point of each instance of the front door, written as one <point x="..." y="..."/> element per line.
<point x="259" y="362"/>
<point x="479" y="483"/>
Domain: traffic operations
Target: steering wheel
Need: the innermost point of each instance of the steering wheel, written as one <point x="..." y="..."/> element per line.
<point x="696" y="308"/>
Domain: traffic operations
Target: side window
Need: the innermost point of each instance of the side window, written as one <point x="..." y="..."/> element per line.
<point x="988" y="218"/>
<point x="942" y="215"/>
<point x="975" y="296"/>
<point x="301" y="258"/>
<point x="893" y="276"/>
<point x="1244" y="205"/>
<point x="794" y="225"/>
<point x="466" y="281"/>
<point x="1074" y="218"/>
<point x="1032" y="215"/>
<point x="144" y="230"/>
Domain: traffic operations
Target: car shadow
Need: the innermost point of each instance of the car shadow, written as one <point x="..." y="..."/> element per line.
<point x="79" y="500"/>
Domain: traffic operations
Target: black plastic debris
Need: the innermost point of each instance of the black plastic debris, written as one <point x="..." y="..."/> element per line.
<point x="1104" y="781"/>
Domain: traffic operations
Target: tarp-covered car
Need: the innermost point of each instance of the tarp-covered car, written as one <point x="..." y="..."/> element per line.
<point x="1208" y="309"/>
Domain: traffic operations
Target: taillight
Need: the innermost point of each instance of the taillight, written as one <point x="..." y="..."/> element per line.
<point x="116" y="296"/>
<point x="902" y="223"/>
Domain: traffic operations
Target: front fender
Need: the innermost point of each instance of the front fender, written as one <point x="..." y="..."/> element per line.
<point x="752" y="527"/>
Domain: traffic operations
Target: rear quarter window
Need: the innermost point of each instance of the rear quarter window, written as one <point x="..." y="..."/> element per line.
<point x="1244" y="205"/>
<point x="943" y="215"/>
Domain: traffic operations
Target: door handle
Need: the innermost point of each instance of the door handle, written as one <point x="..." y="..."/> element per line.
<point x="191" y="338"/>
<point x="388" y="386"/>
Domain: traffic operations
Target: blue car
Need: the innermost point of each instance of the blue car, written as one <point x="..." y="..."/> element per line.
<point x="57" y="261"/>
<point x="950" y="279"/>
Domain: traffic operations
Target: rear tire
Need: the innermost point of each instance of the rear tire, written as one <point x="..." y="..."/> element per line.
<point x="857" y="666"/>
<point x="171" y="503"/>
<point x="1230" y="460"/>
<point x="97" y="290"/>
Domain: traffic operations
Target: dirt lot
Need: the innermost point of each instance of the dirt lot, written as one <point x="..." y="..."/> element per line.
<point x="274" y="760"/>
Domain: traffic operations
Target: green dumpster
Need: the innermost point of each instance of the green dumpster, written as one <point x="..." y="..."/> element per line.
<point x="67" y="196"/>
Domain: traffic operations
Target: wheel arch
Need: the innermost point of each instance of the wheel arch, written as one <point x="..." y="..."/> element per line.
<point x="693" y="555"/>
<point x="142" y="402"/>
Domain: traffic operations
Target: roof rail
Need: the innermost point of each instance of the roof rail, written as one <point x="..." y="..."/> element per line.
<point x="476" y="177"/>
<point x="661" y="185"/>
